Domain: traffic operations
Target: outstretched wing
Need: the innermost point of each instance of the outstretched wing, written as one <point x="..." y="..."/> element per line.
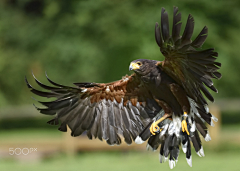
<point x="105" y="111"/>
<point x="188" y="65"/>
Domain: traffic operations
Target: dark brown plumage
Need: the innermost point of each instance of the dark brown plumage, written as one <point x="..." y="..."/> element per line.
<point x="190" y="67"/>
<point x="104" y="110"/>
<point x="161" y="102"/>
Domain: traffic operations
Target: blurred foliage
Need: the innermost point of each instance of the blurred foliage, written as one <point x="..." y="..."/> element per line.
<point x="90" y="40"/>
<point x="25" y="123"/>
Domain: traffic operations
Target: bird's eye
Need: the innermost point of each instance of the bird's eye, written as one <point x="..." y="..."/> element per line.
<point x="139" y="63"/>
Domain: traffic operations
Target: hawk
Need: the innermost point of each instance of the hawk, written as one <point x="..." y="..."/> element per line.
<point x="162" y="102"/>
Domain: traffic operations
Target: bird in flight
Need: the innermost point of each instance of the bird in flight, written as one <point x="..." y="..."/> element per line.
<point x="162" y="102"/>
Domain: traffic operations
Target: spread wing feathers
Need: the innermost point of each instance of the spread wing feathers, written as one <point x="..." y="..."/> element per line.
<point x="105" y="111"/>
<point x="190" y="67"/>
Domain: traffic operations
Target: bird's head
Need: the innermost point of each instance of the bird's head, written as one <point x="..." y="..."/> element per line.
<point x="142" y="66"/>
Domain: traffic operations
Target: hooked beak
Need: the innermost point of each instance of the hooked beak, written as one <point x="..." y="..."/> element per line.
<point x="133" y="66"/>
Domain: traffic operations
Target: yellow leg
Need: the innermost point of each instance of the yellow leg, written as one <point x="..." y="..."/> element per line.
<point x="184" y="124"/>
<point x="154" y="127"/>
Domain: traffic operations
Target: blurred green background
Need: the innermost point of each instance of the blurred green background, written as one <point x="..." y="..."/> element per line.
<point x="95" y="40"/>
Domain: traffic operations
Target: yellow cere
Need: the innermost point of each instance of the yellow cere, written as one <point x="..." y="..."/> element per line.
<point x="134" y="66"/>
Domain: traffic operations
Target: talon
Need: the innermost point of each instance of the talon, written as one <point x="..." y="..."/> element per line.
<point x="184" y="125"/>
<point x="154" y="127"/>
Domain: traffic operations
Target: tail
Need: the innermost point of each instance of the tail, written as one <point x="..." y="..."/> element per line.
<point x="171" y="137"/>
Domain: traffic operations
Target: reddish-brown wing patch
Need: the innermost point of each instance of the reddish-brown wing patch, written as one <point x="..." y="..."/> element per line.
<point x="129" y="88"/>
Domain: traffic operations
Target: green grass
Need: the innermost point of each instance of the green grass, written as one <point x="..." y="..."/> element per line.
<point x="124" y="161"/>
<point x="225" y="157"/>
<point x="54" y="133"/>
